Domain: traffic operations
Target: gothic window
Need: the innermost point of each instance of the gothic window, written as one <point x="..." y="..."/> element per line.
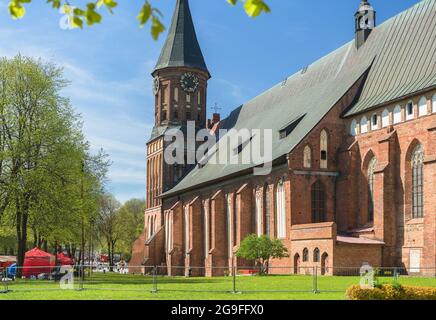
<point x="371" y="168"/>
<point x="374" y="122"/>
<point x="281" y="210"/>
<point x="307" y="157"/>
<point x="323" y="149"/>
<point x="364" y="125"/>
<point x="385" y="118"/>
<point x="316" y="255"/>
<point x="266" y="209"/>
<point x="422" y="107"/>
<point x="397" y="114"/>
<point x="353" y="127"/>
<point x="433" y="102"/>
<point x="409" y="111"/>
<point x="186" y="229"/>
<point x="417" y="182"/>
<point x="258" y="212"/>
<point x="318" y="202"/>
<point x="305" y="255"/>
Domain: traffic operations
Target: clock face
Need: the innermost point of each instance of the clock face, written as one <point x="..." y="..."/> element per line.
<point x="189" y="82"/>
<point x="156" y="85"/>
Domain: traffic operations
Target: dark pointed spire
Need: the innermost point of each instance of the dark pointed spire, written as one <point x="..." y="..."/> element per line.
<point x="181" y="47"/>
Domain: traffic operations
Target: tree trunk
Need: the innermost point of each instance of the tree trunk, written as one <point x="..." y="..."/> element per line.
<point x="110" y="256"/>
<point x="22" y="218"/>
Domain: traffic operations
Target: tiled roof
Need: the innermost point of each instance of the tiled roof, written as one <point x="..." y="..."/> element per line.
<point x="399" y="55"/>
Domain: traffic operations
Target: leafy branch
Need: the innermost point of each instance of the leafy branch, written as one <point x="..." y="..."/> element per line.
<point x="148" y="14"/>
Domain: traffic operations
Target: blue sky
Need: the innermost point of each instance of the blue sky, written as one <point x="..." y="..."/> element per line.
<point x="109" y="65"/>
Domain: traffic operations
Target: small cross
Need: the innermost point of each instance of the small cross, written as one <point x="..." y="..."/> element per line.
<point x="216" y="109"/>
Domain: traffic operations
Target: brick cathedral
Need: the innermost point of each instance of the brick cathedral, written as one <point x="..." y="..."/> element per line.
<point x="353" y="175"/>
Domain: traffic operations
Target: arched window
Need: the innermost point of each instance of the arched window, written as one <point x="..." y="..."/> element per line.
<point x="258" y="212"/>
<point x="318" y="202"/>
<point x="307" y="157"/>
<point x="422" y="107"/>
<point x="364" y="125"/>
<point x="305" y="255"/>
<point x="385" y="118"/>
<point x="371" y="168"/>
<point x="397" y="114"/>
<point x="316" y="255"/>
<point x="323" y="149"/>
<point x="353" y="127"/>
<point x="176" y="95"/>
<point x="266" y="209"/>
<point x="281" y="210"/>
<point x="433" y="102"/>
<point x="374" y="121"/>
<point x="417" y="182"/>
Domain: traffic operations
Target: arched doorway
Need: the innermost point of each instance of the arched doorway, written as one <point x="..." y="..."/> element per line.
<point x="296" y="263"/>
<point x="324" y="263"/>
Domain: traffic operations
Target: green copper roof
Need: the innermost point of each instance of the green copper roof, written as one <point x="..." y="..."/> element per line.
<point x="181" y="47"/>
<point x="399" y="57"/>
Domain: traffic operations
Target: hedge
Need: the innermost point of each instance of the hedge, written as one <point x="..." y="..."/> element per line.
<point x="392" y="292"/>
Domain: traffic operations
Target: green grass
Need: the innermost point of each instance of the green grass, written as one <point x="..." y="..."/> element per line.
<point x="135" y="287"/>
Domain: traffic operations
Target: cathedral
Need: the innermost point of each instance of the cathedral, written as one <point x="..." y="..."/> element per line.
<point x="353" y="164"/>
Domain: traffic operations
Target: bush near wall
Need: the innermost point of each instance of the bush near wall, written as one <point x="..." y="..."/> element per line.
<point x="391" y="292"/>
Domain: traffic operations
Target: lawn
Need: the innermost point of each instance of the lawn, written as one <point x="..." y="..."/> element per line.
<point x="134" y="287"/>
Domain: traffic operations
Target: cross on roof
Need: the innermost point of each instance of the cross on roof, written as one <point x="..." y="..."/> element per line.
<point x="216" y="109"/>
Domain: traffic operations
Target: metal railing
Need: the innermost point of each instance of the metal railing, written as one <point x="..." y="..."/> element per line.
<point x="155" y="279"/>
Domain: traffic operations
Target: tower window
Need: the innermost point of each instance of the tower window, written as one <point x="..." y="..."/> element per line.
<point x="199" y="117"/>
<point x="188" y="97"/>
<point x="176" y="115"/>
<point x="164" y="115"/>
<point x="163" y="95"/>
<point x="176" y="94"/>
<point x="323" y="149"/>
<point x="188" y="115"/>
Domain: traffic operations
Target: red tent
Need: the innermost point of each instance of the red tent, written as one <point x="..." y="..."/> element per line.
<point x="36" y="262"/>
<point x="64" y="260"/>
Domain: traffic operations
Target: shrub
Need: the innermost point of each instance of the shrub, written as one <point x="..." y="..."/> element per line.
<point x="392" y="292"/>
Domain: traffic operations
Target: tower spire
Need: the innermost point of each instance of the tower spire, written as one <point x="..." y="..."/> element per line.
<point x="181" y="47"/>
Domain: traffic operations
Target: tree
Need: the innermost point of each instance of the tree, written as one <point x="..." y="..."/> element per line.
<point x="261" y="250"/>
<point x="90" y="13"/>
<point x="131" y="216"/>
<point x="42" y="150"/>
<point x="109" y="223"/>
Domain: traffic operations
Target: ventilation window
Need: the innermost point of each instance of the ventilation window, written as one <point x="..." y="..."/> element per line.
<point x="241" y="147"/>
<point x="323" y="155"/>
<point x="286" y="131"/>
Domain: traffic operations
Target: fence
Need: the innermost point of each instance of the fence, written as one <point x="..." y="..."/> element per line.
<point x="154" y="279"/>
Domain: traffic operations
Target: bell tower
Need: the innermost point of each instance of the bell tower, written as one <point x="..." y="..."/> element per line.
<point x="365" y="22"/>
<point x="180" y="88"/>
